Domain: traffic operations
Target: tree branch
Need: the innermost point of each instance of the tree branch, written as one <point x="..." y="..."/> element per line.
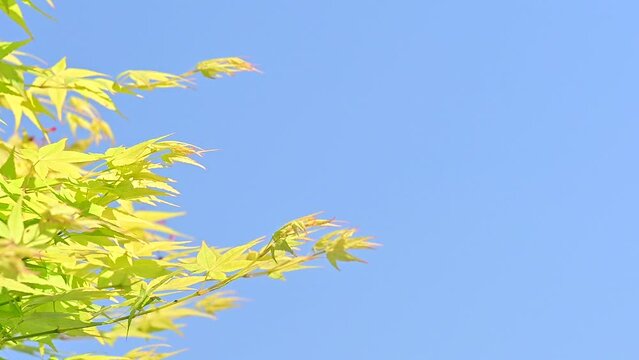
<point x="240" y="274"/>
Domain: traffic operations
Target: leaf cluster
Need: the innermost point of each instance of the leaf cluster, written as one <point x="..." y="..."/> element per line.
<point x="85" y="249"/>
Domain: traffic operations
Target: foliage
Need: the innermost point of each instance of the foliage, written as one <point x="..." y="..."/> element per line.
<point x="81" y="254"/>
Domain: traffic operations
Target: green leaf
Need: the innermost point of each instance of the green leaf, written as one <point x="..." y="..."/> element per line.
<point x="13" y="285"/>
<point x="12" y="10"/>
<point x="7" y="48"/>
<point x="8" y="169"/>
<point x="16" y="223"/>
<point x="148" y="268"/>
<point x="206" y="257"/>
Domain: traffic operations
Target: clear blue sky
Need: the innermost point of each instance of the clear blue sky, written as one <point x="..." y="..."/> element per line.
<point x="491" y="146"/>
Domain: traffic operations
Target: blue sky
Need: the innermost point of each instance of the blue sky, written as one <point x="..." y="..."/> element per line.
<point x="490" y="146"/>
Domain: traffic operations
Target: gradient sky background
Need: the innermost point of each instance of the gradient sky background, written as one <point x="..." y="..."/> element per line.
<point x="491" y="146"/>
